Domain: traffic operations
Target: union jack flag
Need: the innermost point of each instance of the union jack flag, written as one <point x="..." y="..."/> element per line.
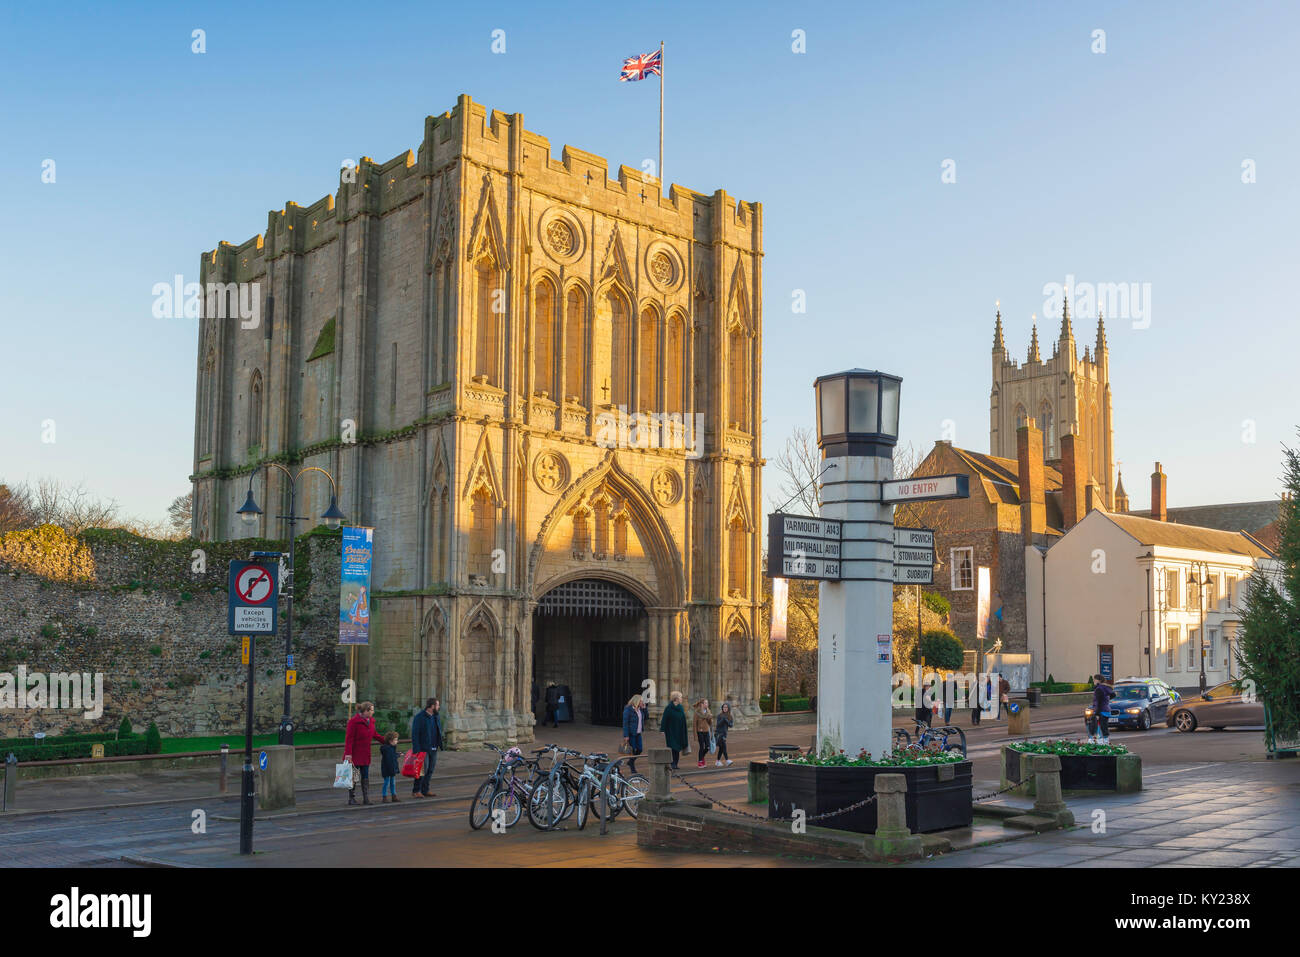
<point x="640" y="67"/>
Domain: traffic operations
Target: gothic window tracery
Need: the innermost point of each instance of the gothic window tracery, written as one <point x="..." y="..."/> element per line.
<point x="575" y="345"/>
<point x="544" y="337"/>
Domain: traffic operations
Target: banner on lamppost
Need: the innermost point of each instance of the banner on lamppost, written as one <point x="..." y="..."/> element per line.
<point x="780" y="601"/>
<point x="983" y="602"/>
<point x="354" y="588"/>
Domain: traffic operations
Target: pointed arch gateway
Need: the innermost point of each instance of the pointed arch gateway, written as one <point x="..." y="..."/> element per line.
<point x="601" y="621"/>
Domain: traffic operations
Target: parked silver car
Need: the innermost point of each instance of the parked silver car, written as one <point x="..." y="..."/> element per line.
<point x="1220" y="707"/>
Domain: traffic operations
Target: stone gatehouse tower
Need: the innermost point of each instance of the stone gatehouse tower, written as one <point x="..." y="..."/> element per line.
<point x="541" y="387"/>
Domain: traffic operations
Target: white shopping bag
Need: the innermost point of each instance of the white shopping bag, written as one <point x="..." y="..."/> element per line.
<point x="343" y="775"/>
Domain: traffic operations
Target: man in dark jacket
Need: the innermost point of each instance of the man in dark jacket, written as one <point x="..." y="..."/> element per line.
<point x="426" y="736"/>
<point x="552" y="705"/>
<point x="1102" y="692"/>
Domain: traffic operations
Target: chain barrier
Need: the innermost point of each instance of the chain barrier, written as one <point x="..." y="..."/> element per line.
<point x="762" y="817"/>
<point x="1009" y="787"/>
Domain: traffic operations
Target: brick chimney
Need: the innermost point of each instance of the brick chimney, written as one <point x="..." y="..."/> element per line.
<point x="1033" y="496"/>
<point x="1073" y="480"/>
<point x="1158" y="486"/>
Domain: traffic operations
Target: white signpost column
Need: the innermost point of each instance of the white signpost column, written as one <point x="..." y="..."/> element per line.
<point x="853" y="683"/>
<point x="857" y="428"/>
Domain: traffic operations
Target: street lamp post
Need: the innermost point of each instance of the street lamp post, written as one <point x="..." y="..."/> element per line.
<point x="1201" y="582"/>
<point x="332" y="516"/>
<point x="857" y="426"/>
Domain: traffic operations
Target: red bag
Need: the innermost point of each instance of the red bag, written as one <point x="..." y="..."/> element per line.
<point x="413" y="764"/>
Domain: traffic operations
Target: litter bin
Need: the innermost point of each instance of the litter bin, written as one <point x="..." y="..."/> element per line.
<point x="783" y="751"/>
<point x="1035" y="696"/>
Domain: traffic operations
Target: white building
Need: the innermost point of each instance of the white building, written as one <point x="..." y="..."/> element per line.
<point x="1142" y="591"/>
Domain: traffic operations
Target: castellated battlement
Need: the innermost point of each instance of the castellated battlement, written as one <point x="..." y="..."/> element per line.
<point x="489" y="140"/>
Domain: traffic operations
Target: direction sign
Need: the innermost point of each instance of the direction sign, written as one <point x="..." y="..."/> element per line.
<point x="913" y="556"/>
<point x="913" y="574"/>
<point x="261" y="760"/>
<point x="800" y="546"/>
<point x="926" y="489"/>
<point x="253" y="603"/>
<point x="914" y="538"/>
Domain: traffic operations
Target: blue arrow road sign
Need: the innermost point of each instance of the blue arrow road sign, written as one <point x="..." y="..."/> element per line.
<point x="261" y="760"/>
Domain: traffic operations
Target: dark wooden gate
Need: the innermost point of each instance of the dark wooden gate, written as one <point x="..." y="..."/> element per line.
<point x="617" y="670"/>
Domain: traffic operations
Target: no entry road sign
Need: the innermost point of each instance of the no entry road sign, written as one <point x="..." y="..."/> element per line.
<point x="253" y="606"/>
<point x="926" y="489"/>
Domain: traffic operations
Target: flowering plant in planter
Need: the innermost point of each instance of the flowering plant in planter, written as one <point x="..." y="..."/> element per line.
<point x="897" y="758"/>
<point x="1068" y="748"/>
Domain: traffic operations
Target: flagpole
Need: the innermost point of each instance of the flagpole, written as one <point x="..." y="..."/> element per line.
<point x="661" y="118"/>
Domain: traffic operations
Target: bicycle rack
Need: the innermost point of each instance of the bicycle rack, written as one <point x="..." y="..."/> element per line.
<point x="604" y="795"/>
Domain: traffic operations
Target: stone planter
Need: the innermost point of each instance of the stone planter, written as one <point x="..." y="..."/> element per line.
<point x="1121" y="773"/>
<point x="938" y="796"/>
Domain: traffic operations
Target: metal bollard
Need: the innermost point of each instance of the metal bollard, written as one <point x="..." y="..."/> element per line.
<point x="11" y="781"/>
<point x="225" y="753"/>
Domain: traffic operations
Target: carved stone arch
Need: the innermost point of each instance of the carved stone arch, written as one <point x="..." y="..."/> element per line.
<point x="615" y="264"/>
<point x="483" y="472"/>
<point x="486" y="237"/>
<point x="481" y="613"/>
<point x="656" y="536"/>
<point x="479" y="650"/>
<point x="440" y="470"/>
<point x="444" y="224"/>
<point x="736" y="623"/>
<point x="738" y="300"/>
<point x="434" y="621"/>
<point x="738" y="503"/>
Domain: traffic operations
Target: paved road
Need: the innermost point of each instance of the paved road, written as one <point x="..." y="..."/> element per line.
<point x="1207" y="793"/>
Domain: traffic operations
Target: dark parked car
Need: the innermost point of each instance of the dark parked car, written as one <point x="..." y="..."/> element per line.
<point x="1138" y="703"/>
<point x="1222" y="706"/>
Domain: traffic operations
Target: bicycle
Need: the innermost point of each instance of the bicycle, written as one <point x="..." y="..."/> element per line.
<point x="621" y="793"/>
<point x="927" y="735"/>
<point x="553" y="797"/>
<point x="503" y="791"/>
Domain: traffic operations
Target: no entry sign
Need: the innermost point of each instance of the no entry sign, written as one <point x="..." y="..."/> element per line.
<point x="254" y="605"/>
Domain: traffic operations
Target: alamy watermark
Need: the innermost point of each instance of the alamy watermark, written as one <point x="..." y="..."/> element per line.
<point x="1116" y="300"/>
<point x="65" y="691"/>
<point x="219" y="300"/>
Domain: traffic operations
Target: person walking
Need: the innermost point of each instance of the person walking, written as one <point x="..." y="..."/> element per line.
<point x="1102" y="693"/>
<point x="703" y="724"/>
<point x="634" y="715"/>
<point x="356" y="748"/>
<point x="673" y="725"/>
<point x="949" y="697"/>
<point x="1004" y="693"/>
<point x="552" y="705"/>
<point x="389" y="767"/>
<point x="922" y="706"/>
<point x="426" y="736"/>
<point x="724" y="724"/>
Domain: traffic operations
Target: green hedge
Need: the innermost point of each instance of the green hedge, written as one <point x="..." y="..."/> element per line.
<point x="76" y="750"/>
<point x="1061" y="687"/>
<point x="788" y="703"/>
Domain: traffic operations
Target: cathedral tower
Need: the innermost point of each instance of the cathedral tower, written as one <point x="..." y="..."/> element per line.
<point x="1064" y="394"/>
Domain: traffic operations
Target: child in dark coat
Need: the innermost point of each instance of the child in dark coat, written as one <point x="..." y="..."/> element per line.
<point x="389" y="766"/>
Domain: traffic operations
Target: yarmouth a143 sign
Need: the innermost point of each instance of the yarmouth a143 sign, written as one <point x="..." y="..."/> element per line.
<point x="799" y="546"/>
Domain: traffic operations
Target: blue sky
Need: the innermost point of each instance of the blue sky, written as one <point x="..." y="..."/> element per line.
<point x="1123" y="166"/>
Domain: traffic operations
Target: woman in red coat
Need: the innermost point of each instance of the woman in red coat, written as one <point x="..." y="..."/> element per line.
<point x="356" y="747"/>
